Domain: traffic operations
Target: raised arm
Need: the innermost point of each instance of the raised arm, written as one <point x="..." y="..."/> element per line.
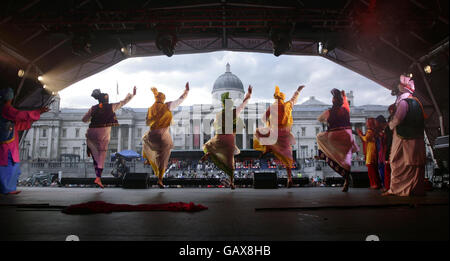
<point x="22" y="119"/>
<point x="294" y="98"/>
<point x="118" y="105"/>
<point x="174" y="104"/>
<point x="345" y="101"/>
<point x="245" y="101"/>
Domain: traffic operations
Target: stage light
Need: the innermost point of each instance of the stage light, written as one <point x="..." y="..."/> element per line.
<point x="166" y="42"/>
<point x="324" y="50"/>
<point x="410" y="75"/>
<point x="21" y="73"/>
<point x="281" y="40"/>
<point x="40" y="78"/>
<point x="44" y="86"/>
<point x="427" y="69"/>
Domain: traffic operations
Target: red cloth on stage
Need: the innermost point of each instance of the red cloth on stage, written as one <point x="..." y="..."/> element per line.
<point x="373" y="176"/>
<point x="387" y="176"/>
<point x="94" y="207"/>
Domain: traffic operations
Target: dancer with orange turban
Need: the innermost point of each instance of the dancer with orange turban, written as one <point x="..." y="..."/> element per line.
<point x="370" y="152"/>
<point x="221" y="148"/>
<point x="102" y="116"/>
<point x="276" y="137"/>
<point x="157" y="142"/>
<point x="337" y="144"/>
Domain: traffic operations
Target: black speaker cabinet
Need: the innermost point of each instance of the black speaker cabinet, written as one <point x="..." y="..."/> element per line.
<point x="135" y="181"/>
<point x="359" y="179"/>
<point x="265" y="180"/>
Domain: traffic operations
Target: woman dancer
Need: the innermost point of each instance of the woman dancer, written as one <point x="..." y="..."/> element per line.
<point x="276" y="137"/>
<point x="387" y="143"/>
<point x="102" y="116"/>
<point x="157" y="142"/>
<point x="11" y="122"/>
<point x="337" y="144"/>
<point x="370" y="152"/>
<point x="221" y="148"/>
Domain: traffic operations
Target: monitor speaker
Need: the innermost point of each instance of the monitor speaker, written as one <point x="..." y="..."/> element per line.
<point x="135" y="181"/>
<point x="265" y="180"/>
<point x="359" y="179"/>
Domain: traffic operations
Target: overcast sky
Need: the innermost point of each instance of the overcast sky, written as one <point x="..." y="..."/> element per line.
<point x="262" y="71"/>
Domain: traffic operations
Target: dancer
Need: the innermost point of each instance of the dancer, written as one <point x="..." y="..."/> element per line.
<point x="157" y="142"/>
<point x="11" y="122"/>
<point x="370" y="152"/>
<point x="102" y="116"/>
<point x="337" y="144"/>
<point x="380" y="144"/>
<point x="221" y="148"/>
<point x="407" y="157"/>
<point x="276" y="137"/>
<point x="387" y="144"/>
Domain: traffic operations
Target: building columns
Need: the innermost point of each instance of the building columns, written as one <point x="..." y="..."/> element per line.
<point x="119" y="139"/>
<point x="201" y="134"/>
<point x="30" y="149"/>
<point x="49" y="142"/>
<point x="129" y="136"/>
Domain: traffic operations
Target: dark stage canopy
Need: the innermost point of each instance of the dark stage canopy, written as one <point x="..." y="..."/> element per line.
<point x="66" y="41"/>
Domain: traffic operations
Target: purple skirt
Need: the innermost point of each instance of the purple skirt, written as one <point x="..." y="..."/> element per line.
<point x="9" y="175"/>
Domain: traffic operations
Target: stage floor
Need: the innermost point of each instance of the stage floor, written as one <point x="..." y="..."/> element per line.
<point x="231" y="215"/>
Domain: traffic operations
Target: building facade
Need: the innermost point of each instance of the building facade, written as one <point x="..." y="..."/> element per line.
<point x="61" y="133"/>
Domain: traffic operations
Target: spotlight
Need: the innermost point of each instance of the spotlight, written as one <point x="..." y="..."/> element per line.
<point x="281" y="40"/>
<point x="324" y="50"/>
<point x="166" y="42"/>
<point x="410" y="75"/>
<point x="40" y="78"/>
<point x="21" y="73"/>
<point x="427" y="69"/>
<point x="44" y="86"/>
<point x="123" y="50"/>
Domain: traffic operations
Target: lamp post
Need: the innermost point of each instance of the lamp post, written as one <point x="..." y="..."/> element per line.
<point x="84" y="159"/>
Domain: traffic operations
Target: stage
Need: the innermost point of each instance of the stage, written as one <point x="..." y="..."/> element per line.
<point x="301" y="213"/>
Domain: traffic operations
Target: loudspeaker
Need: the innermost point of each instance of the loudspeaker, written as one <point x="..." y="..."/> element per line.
<point x="265" y="180"/>
<point x="359" y="179"/>
<point x="135" y="181"/>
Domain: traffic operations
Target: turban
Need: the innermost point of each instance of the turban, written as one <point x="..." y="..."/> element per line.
<point x="159" y="96"/>
<point x="278" y="95"/>
<point x="406" y="84"/>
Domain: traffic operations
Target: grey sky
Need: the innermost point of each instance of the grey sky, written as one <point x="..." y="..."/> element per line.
<point x="262" y="71"/>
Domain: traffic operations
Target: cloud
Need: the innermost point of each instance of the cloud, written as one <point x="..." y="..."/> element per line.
<point x="262" y="71"/>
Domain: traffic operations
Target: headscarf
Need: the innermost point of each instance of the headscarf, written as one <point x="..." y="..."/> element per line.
<point x="158" y="115"/>
<point x="338" y="100"/>
<point x="406" y="84"/>
<point x="101" y="97"/>
<point x="279" y="95"/>
<point x="225" y="96"/>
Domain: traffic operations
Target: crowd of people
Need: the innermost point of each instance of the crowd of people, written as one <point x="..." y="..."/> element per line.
<point x="394" y="149"/>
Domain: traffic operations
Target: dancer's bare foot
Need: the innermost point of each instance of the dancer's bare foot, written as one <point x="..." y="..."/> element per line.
<point x="99" y="182"/>
<point x="289" y="183"/>
<point x="15" y="192"/>
<point x="232" y="186"/>
<point x="387" y="193"/>
<point x="160" y="184"/>
<point x="346" y="184"/>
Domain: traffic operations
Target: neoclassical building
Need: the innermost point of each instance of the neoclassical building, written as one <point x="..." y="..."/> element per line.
<point x="61" y="131"/>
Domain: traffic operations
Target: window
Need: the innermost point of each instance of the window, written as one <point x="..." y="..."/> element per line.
<point x="77" y="133"/>
<point x="42" y="152"/>
<point x="76" y="150"/>
<point x="63" y="150"/>
<point x="44" y="133"/>
<point x="114" y="132"/>
<point x="303" y="131"/>
<point x="64" y="133"/>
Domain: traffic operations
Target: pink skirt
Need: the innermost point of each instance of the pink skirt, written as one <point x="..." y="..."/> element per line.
<point x="97" y="140"/>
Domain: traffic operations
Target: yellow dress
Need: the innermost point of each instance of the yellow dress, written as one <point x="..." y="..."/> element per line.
<point x="157" y="142"/>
